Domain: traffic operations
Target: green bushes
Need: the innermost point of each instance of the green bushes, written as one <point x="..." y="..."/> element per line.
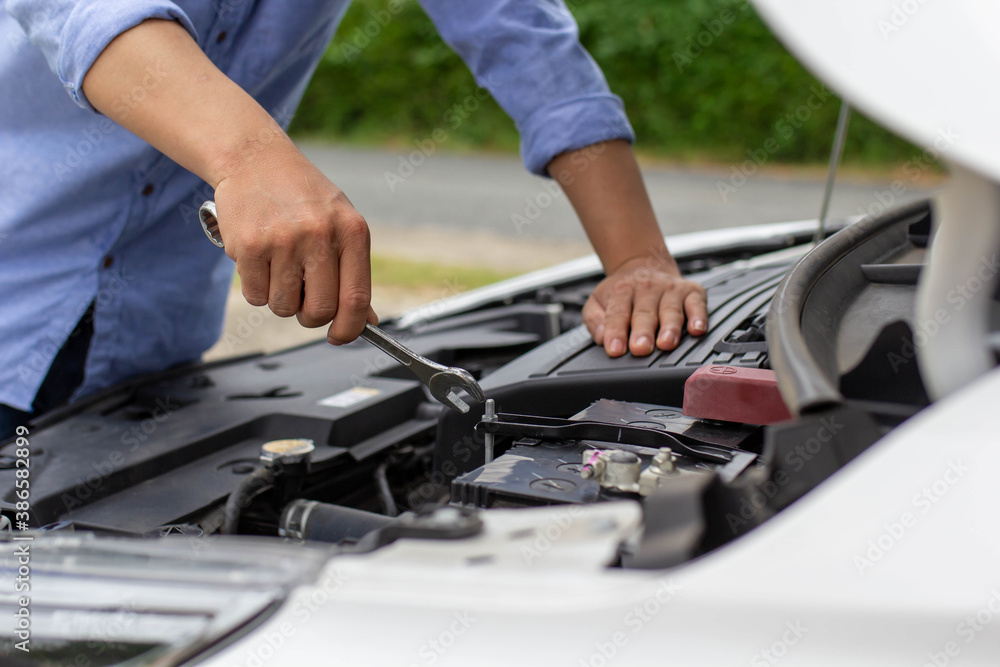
<point x="701" y="79"/>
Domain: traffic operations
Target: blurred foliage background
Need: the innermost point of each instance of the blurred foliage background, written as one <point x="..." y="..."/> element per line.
<point x="702" y="81"/>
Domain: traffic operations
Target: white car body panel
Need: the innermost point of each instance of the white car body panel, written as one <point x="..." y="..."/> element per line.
<point x="864" y="570"/>
<point x="925" y="69"/>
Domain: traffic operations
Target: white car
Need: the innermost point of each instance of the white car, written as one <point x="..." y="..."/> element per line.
<point x="810" y="483"/>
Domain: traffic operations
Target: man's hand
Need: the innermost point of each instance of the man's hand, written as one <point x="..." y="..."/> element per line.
<point x="645" y="300"/>
<point x="300" y="246"/>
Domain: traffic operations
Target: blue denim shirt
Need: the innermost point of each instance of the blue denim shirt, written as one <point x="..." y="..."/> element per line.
<point x="91" y="213"/>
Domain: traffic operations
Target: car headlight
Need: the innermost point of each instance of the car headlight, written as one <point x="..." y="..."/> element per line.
<point x="109" y="601"/>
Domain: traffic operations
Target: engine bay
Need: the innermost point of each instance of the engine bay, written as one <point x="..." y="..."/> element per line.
<point x="344" y="446"/>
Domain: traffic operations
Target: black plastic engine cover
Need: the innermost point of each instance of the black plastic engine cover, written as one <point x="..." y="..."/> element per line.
<point x="558" y="377"/>
<point x="160" y="450"/>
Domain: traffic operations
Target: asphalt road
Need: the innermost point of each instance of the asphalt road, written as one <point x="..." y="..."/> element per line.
<point x="495" y="194"/>
<point x="487" y="211"/>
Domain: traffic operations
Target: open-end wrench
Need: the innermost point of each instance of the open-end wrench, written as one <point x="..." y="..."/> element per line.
<point x="444" y="382"/>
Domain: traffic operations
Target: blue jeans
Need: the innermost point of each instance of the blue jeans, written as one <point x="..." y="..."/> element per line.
<point x="64" y="376"/>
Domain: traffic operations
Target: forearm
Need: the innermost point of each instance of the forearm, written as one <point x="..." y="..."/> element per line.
<point x="643" y="301"/>
<point x="156" y="82"/>
<point x="605" y="187"/>
<point x="299" y="245"/>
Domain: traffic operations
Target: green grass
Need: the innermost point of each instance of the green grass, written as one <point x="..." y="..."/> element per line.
<point x="726" y="100"/>
<point x="396" y="272"/>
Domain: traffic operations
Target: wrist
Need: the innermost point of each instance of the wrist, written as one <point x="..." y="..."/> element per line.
<point x="654" y="257"/>
<point x="262" y="141"/>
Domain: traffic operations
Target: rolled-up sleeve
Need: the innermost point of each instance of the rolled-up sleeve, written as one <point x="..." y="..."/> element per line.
<point x="73" y="33"/>
<point x="527" y="53"/>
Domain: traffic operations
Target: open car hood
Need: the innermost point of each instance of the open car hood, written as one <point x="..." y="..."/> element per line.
<point x="926" y="70"/>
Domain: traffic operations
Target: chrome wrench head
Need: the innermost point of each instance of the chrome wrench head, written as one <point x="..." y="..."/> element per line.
<point x="445" y="385"/>
<point x="444" y="382"/>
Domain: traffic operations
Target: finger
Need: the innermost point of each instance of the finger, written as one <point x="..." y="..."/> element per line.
<point x="355" y="296"/>
<point x="593" y="318"/>
<point x="696" y="307"/>
<point x="253" y="272"/>
<point x="617" y="318"/>
<point x="321" y="290"/>
<point x="671" y="321"/>
<point x="372" y="316"/>
<point x="645" y="317"/>
<point x="285" y="286"/>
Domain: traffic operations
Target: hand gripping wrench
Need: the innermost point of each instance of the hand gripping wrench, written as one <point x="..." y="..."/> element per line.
<point x="444" y="382"/>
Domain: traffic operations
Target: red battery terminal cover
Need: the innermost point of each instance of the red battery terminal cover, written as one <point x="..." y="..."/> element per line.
<point x="734" y="394"/>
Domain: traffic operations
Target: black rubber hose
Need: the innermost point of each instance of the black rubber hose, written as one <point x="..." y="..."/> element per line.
<point x="252" y="485"/>
<point x="385" y="491"/>
<point x="323" y="522"/>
